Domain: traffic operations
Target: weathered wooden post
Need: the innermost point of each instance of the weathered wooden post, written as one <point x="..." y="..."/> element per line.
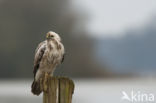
<point x="57" y="90"/>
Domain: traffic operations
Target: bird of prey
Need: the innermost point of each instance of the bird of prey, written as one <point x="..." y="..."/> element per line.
<point x="48" y="55"/>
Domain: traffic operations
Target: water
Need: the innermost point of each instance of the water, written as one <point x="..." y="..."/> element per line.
<point x="86" y="91"/>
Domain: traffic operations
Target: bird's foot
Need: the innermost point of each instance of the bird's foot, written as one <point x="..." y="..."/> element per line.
<point x="41" y="84"/>
<point x="45" y="82"/>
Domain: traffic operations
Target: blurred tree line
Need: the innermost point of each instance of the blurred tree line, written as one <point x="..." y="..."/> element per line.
<point x="24" y="23"/>
<point x="134" y="52"/>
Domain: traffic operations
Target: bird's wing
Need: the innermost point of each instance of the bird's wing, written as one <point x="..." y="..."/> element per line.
<point x="38" y="56"/>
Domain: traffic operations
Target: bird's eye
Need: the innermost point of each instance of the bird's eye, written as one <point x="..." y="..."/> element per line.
<point x="51" y="35"/>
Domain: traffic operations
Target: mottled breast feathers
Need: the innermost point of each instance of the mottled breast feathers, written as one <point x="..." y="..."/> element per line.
<point x="39" y="53"/>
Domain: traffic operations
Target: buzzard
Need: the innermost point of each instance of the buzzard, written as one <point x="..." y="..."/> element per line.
<point x="48" y="55"/>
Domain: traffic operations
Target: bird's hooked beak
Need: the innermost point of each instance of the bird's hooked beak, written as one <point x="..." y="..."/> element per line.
<point x="49" y="36"/>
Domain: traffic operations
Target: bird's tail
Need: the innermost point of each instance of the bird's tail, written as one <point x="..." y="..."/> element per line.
<point x="35" y="88"/>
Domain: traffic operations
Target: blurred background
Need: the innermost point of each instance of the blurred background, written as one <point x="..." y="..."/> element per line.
<point x="110" y="46"/>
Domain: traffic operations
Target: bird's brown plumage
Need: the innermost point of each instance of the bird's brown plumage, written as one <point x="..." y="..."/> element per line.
<point x="41" y="49"/>
<point x="48" y="55"/>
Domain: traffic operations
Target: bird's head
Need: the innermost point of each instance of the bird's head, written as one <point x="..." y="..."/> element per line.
<point x="53" y="36"/>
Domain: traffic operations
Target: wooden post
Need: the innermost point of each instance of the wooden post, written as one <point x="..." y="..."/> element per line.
<point x="57" y="90"/>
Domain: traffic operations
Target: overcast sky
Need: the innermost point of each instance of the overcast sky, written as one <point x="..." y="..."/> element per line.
<point x="114" y="16"/>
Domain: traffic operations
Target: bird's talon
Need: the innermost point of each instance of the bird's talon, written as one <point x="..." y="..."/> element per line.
<point x="45" y="87"/>
<point x="41" y="84"/>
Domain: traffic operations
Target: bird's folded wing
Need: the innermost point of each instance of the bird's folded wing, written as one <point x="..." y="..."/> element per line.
<point x="38" y="56"/>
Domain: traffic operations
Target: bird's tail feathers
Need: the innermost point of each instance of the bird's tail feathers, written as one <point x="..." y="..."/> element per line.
<point x="35" y="88"/>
